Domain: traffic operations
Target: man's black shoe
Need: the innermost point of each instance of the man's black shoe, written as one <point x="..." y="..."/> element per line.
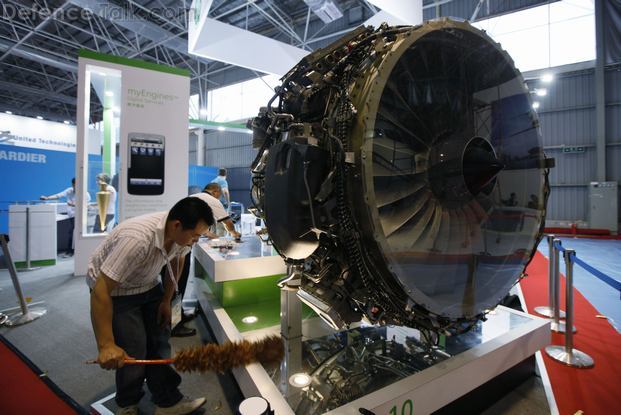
<point x="182" y="331"/>
<point x="188" y="317"/>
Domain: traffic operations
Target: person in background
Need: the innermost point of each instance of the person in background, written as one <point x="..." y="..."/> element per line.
<point x="211" y="195"/>
<point x="512" y="201"/>
<point x="224" y="185"/>
<point x="103" y="178"/>
<point x="131" y="305"/>
<point x="69" y="195"/>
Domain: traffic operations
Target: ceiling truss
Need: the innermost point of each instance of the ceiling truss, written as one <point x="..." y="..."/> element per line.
<point x="40" y="41"/>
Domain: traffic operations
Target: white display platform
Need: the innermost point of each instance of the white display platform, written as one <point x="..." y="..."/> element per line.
<point x="243" y="261"/>
<point x="502" y="346"/>
<point x="42" y="233"/>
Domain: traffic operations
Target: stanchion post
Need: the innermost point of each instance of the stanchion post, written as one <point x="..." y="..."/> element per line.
<point x="567" y="354"/>
<point x="548" y="311"/>
<point x="28" y="267"/>
<point x="557" y="325"/>
<point x="27" y="237"/>
<point x="28" y="315"/>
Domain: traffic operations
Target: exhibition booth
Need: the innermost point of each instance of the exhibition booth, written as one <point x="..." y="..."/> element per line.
<point x="346" y="350"/>
<point x="380" y="242"/>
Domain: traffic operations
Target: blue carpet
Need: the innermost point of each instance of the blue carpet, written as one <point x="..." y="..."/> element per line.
<point x="604" y="255"/>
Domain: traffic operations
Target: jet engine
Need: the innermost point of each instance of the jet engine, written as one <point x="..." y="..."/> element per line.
<point x="401" y="175"/>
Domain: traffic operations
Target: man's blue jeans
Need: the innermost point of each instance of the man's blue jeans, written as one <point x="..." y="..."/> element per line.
<point x="135" y="328"/>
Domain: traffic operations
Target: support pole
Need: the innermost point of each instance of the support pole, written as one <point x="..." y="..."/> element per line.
<point x="291" y="332"/>
<point x="548" y="311"/>
<point x="567" y="354"/>
<point x="600" y="91"/>
<point x="27" y="315"/>
<point x="557" y="325"/>
<point x="28" y="267"/>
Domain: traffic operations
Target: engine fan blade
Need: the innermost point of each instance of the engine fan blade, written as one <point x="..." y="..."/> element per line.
<point x="396" y="190"/>
<point x="386" y="145"/>
<point x="422" y="221"/>
<point x="395" y="216"/>
<point x="442" y="239"/>
<point x="410" y="232"/>
<point x="392" y="120"/>
<point x="426" y="241"/>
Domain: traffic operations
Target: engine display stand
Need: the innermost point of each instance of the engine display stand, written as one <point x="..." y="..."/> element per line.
<point x="502" y="342"/>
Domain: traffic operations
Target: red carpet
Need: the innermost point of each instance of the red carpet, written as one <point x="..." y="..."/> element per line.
<point x="596" y="390"/>
<point x="25" y="390"/>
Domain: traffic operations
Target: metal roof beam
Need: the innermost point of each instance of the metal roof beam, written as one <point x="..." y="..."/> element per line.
<point x="136" y="24"/>
<point x="10" y="103"/>
<point x="23" y="89"/>
<point x="40" y="26"/>
<point x="29" y="53"/>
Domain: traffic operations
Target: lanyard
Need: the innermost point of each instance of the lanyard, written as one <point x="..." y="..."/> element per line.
<point x="170" y="272"/>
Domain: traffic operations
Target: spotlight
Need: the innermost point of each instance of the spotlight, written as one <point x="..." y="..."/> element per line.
<point x="535" y="105"/>
<point x="250" y="320"/>
<point x="542" y="92"/>
<point x="547" y="77"/>
<point x="299" y="380"/>
<point x="255" y="405"/>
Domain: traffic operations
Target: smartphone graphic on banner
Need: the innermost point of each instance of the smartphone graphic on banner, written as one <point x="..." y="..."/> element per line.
<point x="145" y="168"/>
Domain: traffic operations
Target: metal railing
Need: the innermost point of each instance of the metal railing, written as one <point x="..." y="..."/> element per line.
<point x="567" y="354"/>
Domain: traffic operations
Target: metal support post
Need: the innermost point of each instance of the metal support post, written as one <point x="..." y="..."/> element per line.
<point x="28" y="267"/>
<point x="567" y="354"/>
<point x="291" y="332"/>
<point x="548" y="311"/>
<point x="557" y="325"/>
<point x="27" y="315"/>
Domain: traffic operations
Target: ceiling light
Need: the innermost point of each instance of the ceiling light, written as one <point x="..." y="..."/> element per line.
<point x="542" y="92"/>
<point x="547" y="77"/>
<point x="203" y="112"/>
<point x="9" y="112"/>
<point x="109" y="93"/>
<point x="221" y="128"/>
<point x="39" y="117"/>
<point x="66" y="122"/>
<point x="250" y="320"/>
<point x="535" y="105"/>
<point x="300" y="380"/>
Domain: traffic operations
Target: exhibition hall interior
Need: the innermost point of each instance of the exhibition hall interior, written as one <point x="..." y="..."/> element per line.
<point x="376" y="207"/>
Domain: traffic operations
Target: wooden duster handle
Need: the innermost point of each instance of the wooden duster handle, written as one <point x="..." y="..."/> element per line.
<point x="139" y="362"/>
